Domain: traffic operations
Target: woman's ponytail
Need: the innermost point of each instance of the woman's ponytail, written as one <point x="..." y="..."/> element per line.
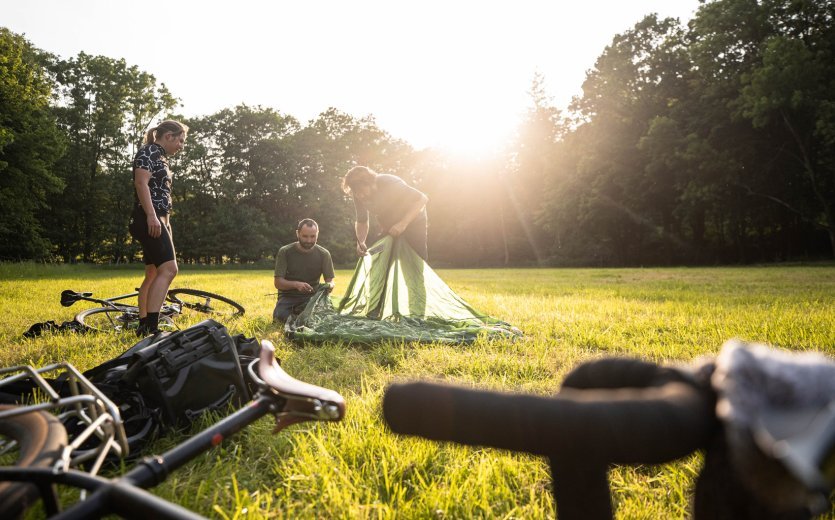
<point x="166" y="127"/>
<point x="149" y="136"/>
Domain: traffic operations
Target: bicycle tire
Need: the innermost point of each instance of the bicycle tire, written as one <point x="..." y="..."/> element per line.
<point x="102" y="319"/>
<point x="40" y="438"/>
<point x="230" y="308"/>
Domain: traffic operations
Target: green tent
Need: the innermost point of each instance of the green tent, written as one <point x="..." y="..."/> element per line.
<point x="394" y="295"/>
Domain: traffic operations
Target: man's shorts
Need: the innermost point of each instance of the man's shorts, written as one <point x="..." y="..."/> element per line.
<point x="288" y="304"/>
<point x="155" y="251"/>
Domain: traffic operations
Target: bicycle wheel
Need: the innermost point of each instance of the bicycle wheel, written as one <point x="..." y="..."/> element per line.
<point x="206" y="302"/>
<point x="105" y="318"/>
<point x="34" y="439"/>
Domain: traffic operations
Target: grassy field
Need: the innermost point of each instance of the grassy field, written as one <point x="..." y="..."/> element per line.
<point x="357" y="469"/>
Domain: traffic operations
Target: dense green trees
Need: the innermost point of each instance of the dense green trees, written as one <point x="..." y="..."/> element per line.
<point x="29" y="146"/>
<point x="248" y="175"/>
<point x="102" y="107"/>
<point x="709" y="143"/>
<point x="705" y="144"/>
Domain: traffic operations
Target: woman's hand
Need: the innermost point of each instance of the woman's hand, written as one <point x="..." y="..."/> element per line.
<point x="154" y="226"/>
<point x="362" y="249"/>
<point x="397" y="229"/>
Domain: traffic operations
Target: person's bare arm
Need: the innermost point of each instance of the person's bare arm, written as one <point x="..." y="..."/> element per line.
<point x="282" y="284"/>
<point x="361" y="229"/>
<point x="412" y="213"/>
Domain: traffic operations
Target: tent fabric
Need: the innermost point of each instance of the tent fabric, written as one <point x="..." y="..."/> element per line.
<point x="394" y="295"/>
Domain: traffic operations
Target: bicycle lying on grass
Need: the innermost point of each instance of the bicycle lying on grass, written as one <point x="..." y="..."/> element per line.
<point x="113" y="314"/>
<point x="38" y="456"/>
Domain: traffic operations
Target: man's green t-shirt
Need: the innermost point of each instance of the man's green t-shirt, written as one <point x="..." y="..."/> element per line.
<point x="295" y="266"/>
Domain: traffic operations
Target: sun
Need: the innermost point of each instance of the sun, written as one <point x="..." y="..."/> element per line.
<point x="461" y="130"/>
<point x="474" y="137"/>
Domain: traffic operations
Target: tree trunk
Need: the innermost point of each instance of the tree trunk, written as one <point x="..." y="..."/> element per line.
<point x="816" y="183"/>
<point x="504" y="235"/>
<point x="89" y="206"/>
<point x="830" y="219"/>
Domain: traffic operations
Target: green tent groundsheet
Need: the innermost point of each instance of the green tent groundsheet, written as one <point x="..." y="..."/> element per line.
<point x="394" y="296"/>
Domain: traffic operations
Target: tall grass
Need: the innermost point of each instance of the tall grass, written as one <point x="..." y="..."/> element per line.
<point x="357" y="469"/>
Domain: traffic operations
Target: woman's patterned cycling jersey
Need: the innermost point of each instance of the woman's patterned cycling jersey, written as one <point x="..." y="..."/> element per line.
<point x="151" y="157"/>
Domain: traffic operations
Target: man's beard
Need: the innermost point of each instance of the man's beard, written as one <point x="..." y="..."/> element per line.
<point x="307" y="245"/>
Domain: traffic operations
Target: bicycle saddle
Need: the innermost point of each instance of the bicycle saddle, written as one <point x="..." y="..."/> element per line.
<point x="69" y="297"/>
<point x="304" y="399"/>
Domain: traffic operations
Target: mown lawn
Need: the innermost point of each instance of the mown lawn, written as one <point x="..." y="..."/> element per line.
<point x="356" y="469"/>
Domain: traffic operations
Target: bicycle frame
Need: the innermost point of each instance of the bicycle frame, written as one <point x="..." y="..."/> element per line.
<point x="122" y="297"/>
<point x="69" y="297"/>
<point x="125" y="495"/>
<point x="289" y="400"/>
<point x="130" y="311"/>
<point x="171" y="306"/>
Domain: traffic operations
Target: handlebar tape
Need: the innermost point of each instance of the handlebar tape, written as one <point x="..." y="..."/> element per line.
<point x="619" y="372"/>
<point x="623" y="426"/>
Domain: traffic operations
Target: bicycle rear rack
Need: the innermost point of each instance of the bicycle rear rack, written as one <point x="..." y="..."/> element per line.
<point x="85" y="404"/>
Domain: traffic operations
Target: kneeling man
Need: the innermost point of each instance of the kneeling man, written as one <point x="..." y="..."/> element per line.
<point x="298" y="267"/>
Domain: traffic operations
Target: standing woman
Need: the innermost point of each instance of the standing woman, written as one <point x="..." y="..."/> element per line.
<point x="150" y="224"/>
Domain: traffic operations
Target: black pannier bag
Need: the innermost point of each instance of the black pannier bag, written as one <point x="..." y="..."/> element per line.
<point x="189" y="372"/>
<point x="182" y="374"/>
<point x="165" y="381"/>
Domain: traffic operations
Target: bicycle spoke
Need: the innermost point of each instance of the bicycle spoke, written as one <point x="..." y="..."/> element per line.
<point x="103" y="319"/>
<point x="206" y="302"/>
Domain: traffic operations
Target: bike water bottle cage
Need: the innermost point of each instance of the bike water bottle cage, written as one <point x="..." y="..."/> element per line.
<point x="302" y="401"/>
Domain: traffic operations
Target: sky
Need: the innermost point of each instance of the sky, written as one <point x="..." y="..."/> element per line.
<point x="448" y="74"/>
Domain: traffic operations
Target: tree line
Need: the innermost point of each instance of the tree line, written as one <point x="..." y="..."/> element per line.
<point x="712" y="142"/>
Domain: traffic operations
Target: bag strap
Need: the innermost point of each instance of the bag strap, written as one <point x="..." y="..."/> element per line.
<point x="105" y="367"/>
<point x="179" y="351"/>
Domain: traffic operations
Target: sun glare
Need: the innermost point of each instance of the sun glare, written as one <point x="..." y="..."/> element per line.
<point x="476" y="137"/>
<point x="465" y="128"/>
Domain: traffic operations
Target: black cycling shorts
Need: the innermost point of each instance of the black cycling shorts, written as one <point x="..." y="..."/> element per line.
<point x="155" y="251"/>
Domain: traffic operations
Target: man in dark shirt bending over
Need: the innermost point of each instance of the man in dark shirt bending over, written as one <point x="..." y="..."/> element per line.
<point x="399" y="208"/>
<point x="298" y="267"/>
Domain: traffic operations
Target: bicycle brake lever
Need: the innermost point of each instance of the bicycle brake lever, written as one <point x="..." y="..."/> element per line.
<point x="303" y="401"/>
<point x="298" y="410"/>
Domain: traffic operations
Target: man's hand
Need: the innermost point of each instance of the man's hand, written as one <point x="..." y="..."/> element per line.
<point x="362" y="249"/>
<point x="397" y="229"/>
<point x="304" y="287"/>
<point x="154" y="226"/>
